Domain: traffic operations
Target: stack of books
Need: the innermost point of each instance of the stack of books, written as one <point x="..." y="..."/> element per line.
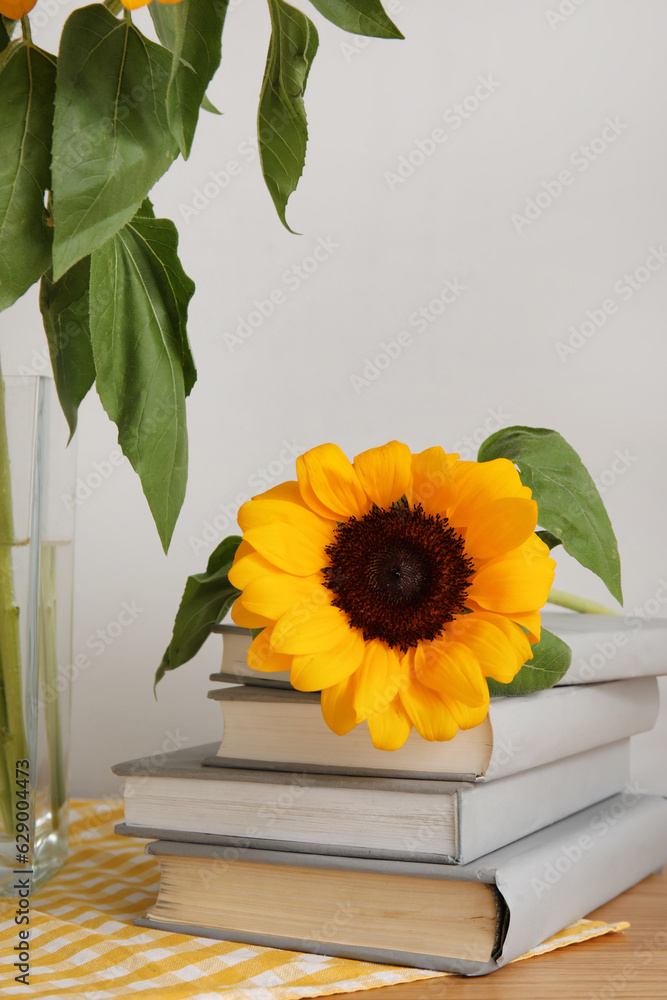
<point x="456" y="856"/>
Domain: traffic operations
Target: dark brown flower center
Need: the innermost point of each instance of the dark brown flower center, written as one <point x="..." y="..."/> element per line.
<point x="399" y="574"/>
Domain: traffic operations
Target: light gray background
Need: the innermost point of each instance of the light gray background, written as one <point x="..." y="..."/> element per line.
<point x="491" y="357"/>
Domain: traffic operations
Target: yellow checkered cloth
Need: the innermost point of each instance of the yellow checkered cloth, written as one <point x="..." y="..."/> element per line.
<point x="83" y="942"/>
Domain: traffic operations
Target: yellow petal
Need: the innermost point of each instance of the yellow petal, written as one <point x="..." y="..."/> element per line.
<point x="294" y="550"/>
<point x="385" y="473"/>
<point x="513" y="632"/>
<point x="390" y="729"/>
<point x="433" y="485"/>
<point x="326" y="476"/>
<point x="518" y="581"/>
<point x="258" y="513"/>
<point x="15" y="9"/>
<point x="452" y="669"/>
<point x="338" y="708"/>
<point x="310" y="499"/>
<point x="427" y="711"/>
<point x="529" y="620"/>
<point x="243" y="549"/>
<point x="247" y="619"/>
<point x="262" y="656"/>
<point x="249" y="566"/>
<point x="283" y="491"/>
<point x="501" y="650"/>
<point x="377" y="680"/>
<point x="324" y="669"/>
<point x="468" y="716"/>
<point x="311" y="627"/>
<point x="478" y="483"/>
<point x="273" y="594"/>
<point x="499" y="526"/>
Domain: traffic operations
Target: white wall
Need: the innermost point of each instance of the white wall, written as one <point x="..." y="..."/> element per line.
<point x="492" y="355"/>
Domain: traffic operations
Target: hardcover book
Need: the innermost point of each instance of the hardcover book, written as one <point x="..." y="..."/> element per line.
<point x="604" y="648"/>
<point x="468" y="919"/>
<point x="284" y="730"/>
<point x="177" y="798"/>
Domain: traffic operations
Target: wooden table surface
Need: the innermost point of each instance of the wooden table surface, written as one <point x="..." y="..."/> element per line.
<point x="627" y="966"/>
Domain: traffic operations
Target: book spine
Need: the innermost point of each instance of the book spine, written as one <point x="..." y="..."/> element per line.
<point x="495" y="813"/>
<point x="596" y="855"/>
<point x="536" y="729"/>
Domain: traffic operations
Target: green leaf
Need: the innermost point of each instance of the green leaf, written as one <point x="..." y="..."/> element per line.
<point x="549" y="539"/>
<point x="6" y="31"/>
<point x="111" y="134"/>
<point x="206" y="600"/>
<point x="164" y="23"/>
<point x="551" y="659"/>
<point x="207" y="106"/>
<point x="192" y="29"/>
<point x="145" y="210"/>
<point x="361" y="17"/>
<point x="282" y="126"/>
<point x="27" y="86"/>
<point x="139" y="296"/>
<point x="569" y="504"/>
<point x="64" y="307"/>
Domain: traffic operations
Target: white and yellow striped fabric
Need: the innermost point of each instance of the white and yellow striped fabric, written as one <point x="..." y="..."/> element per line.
<point x="83" y="942"/>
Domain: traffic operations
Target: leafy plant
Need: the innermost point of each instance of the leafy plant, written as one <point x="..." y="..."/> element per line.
<point x="85" y="137"/>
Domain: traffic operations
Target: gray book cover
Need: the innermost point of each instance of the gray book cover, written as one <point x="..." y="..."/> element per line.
<point x="443" y="821"/>
<point x="545" y="881"/>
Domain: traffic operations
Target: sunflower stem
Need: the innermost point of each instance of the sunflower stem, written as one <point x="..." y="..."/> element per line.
<point x="576" y="603"/>
<point x="48" y="670"/>
<point x="13" y="744"/>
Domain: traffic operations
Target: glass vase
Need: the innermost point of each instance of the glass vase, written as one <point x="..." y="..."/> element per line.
<point x="37" y="480"/>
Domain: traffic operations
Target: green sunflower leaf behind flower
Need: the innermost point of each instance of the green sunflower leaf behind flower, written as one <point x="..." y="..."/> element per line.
<point x="570" y="507"/>
<point x="206" y="600"/>
<point x="551" y="660"/>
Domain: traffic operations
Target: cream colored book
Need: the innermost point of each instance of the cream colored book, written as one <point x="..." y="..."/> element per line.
<point x="177" y="798"/>
<point x="468" y="918"/>
<point x="283" y="729"/>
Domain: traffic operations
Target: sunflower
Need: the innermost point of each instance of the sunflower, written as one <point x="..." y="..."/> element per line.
<point x="133" y="4"/>
<point x="15" y="9"/>
<point x="395" y="584"/>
